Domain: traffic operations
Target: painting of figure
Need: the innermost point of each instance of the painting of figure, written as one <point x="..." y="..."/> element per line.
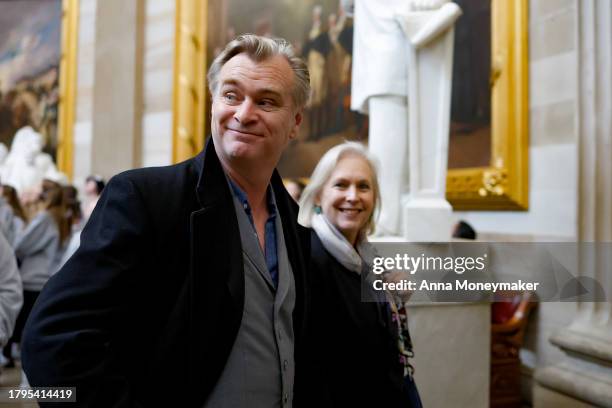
<point x="470" y="128"/>
<point x="30" y="50"/>
<point x="322" y="33"/>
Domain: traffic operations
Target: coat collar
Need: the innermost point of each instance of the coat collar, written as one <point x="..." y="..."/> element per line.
<point x="212" y="188"/>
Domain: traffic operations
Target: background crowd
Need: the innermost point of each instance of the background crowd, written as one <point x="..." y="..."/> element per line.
<point x="39" y="231"/>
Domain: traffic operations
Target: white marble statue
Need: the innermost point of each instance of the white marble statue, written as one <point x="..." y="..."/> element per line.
<point x="26" y="165"/>
<point x="3" y="154"/>
<point x="402" y="60"/>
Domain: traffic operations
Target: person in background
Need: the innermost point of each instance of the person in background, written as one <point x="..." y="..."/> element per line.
<point x="12" y="217"/>
<point x="295" y="188"/>
<point x="464" y="230"/>
<point x="36" y="249"/>
<point x="6" y="217"/>
<point x="72" y="206"/>
<point x="358" y="346"/>
<point x="93" y="189"/>
<point x="11" y="296"/>
<point x="74" y="218"/>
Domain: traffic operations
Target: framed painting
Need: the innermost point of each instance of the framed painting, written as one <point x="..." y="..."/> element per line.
<point x="488" y="166"/>
<point x="321" y="32"/>
<point x="37" y="73"/>
<point x="488" y="146"/>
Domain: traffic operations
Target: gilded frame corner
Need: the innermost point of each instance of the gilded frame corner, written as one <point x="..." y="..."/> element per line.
<point x="504" y="184"/>
<point x="67" y="86"/>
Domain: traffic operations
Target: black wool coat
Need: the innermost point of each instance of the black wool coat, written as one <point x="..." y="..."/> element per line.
<point x="352" y="351"/>
<point x="146" y="311"/>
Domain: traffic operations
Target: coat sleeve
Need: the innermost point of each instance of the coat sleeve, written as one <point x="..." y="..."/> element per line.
<point x="72" y="334"/>
<point x="7" y="227"/>
<point x="313" y="389"/>
<point x="11" y="295"/>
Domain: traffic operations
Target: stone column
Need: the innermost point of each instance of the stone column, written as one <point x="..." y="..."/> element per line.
<point x="118" y="94"/>
<point x="584" y="377"/>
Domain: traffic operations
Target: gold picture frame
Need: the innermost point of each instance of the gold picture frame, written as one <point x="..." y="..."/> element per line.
<point x="504" y="184"/>
<point x="67" y="86"/>
<point x="189" y="93"/>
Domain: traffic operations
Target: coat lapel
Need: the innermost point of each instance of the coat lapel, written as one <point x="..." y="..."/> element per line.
<point x="251" y="247"/>
<point x="216" y="277"/>
<point x="297" y="242"/>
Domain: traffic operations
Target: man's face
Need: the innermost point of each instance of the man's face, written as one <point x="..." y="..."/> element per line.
<point x="253" y="114"/>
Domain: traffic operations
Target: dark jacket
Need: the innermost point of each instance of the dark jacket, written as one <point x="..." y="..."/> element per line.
<point x="146" y="311"/>
<point x="352" y="343"/>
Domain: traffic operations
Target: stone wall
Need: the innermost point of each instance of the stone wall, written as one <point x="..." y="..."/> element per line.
<point x="553" y="161"/>
<point x="553" y="74"/>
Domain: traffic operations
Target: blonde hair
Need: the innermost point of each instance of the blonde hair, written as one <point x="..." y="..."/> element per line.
<point x="323" y="172"/>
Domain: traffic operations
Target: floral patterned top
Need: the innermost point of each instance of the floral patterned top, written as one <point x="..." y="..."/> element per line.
<point x="404" y="342"/>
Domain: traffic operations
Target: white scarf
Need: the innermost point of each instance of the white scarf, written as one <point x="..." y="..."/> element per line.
<point x="339" y="247"/>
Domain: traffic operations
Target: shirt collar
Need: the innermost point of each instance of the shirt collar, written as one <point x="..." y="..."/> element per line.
<point x="242" y="197"/>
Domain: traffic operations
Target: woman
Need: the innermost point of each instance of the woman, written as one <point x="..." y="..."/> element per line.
<point x="15" y="217"/>
<point x="358" y="348"/>
<point x="36" y="248"/>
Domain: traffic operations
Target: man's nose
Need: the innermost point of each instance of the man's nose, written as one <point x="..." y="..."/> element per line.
<point x="245" y="113"/>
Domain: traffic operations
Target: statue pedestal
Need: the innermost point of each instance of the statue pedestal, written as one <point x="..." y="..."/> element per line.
<point x="427" y="220"/>
<point x="452" y="359"/>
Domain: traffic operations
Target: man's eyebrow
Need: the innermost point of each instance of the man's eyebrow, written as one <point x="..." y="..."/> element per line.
<point x="264" y="91"/>
<point x="230" y="82"/>
<point x="269" y="91"/>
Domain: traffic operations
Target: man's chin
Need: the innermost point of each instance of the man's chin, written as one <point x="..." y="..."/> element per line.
<point x="244" y="151"/>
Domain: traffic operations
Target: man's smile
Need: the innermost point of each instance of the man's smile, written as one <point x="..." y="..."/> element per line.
<point x="243" y="133"/>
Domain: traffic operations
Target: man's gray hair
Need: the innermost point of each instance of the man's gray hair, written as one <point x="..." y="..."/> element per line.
<point x="259" y="49"/>
<point x="323" y="172"/>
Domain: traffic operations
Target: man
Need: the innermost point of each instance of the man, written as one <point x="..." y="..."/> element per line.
<point x="188" y="287"/>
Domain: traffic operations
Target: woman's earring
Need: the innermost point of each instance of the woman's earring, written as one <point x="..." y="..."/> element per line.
<point x="317" y="209"/>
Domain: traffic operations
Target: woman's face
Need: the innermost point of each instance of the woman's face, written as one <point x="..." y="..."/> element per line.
<point x="347" y="198"/>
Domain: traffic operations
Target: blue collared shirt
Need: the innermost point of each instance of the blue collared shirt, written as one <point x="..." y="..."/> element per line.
<point x="269" y="231"/>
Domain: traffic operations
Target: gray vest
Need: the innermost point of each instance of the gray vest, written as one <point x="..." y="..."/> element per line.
<point x="260" y="368"/>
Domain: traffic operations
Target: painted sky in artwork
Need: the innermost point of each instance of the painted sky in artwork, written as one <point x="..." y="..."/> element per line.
<point x="30" y="32"/>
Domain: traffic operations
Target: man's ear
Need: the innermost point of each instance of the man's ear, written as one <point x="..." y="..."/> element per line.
<point x="296" y="127"/>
